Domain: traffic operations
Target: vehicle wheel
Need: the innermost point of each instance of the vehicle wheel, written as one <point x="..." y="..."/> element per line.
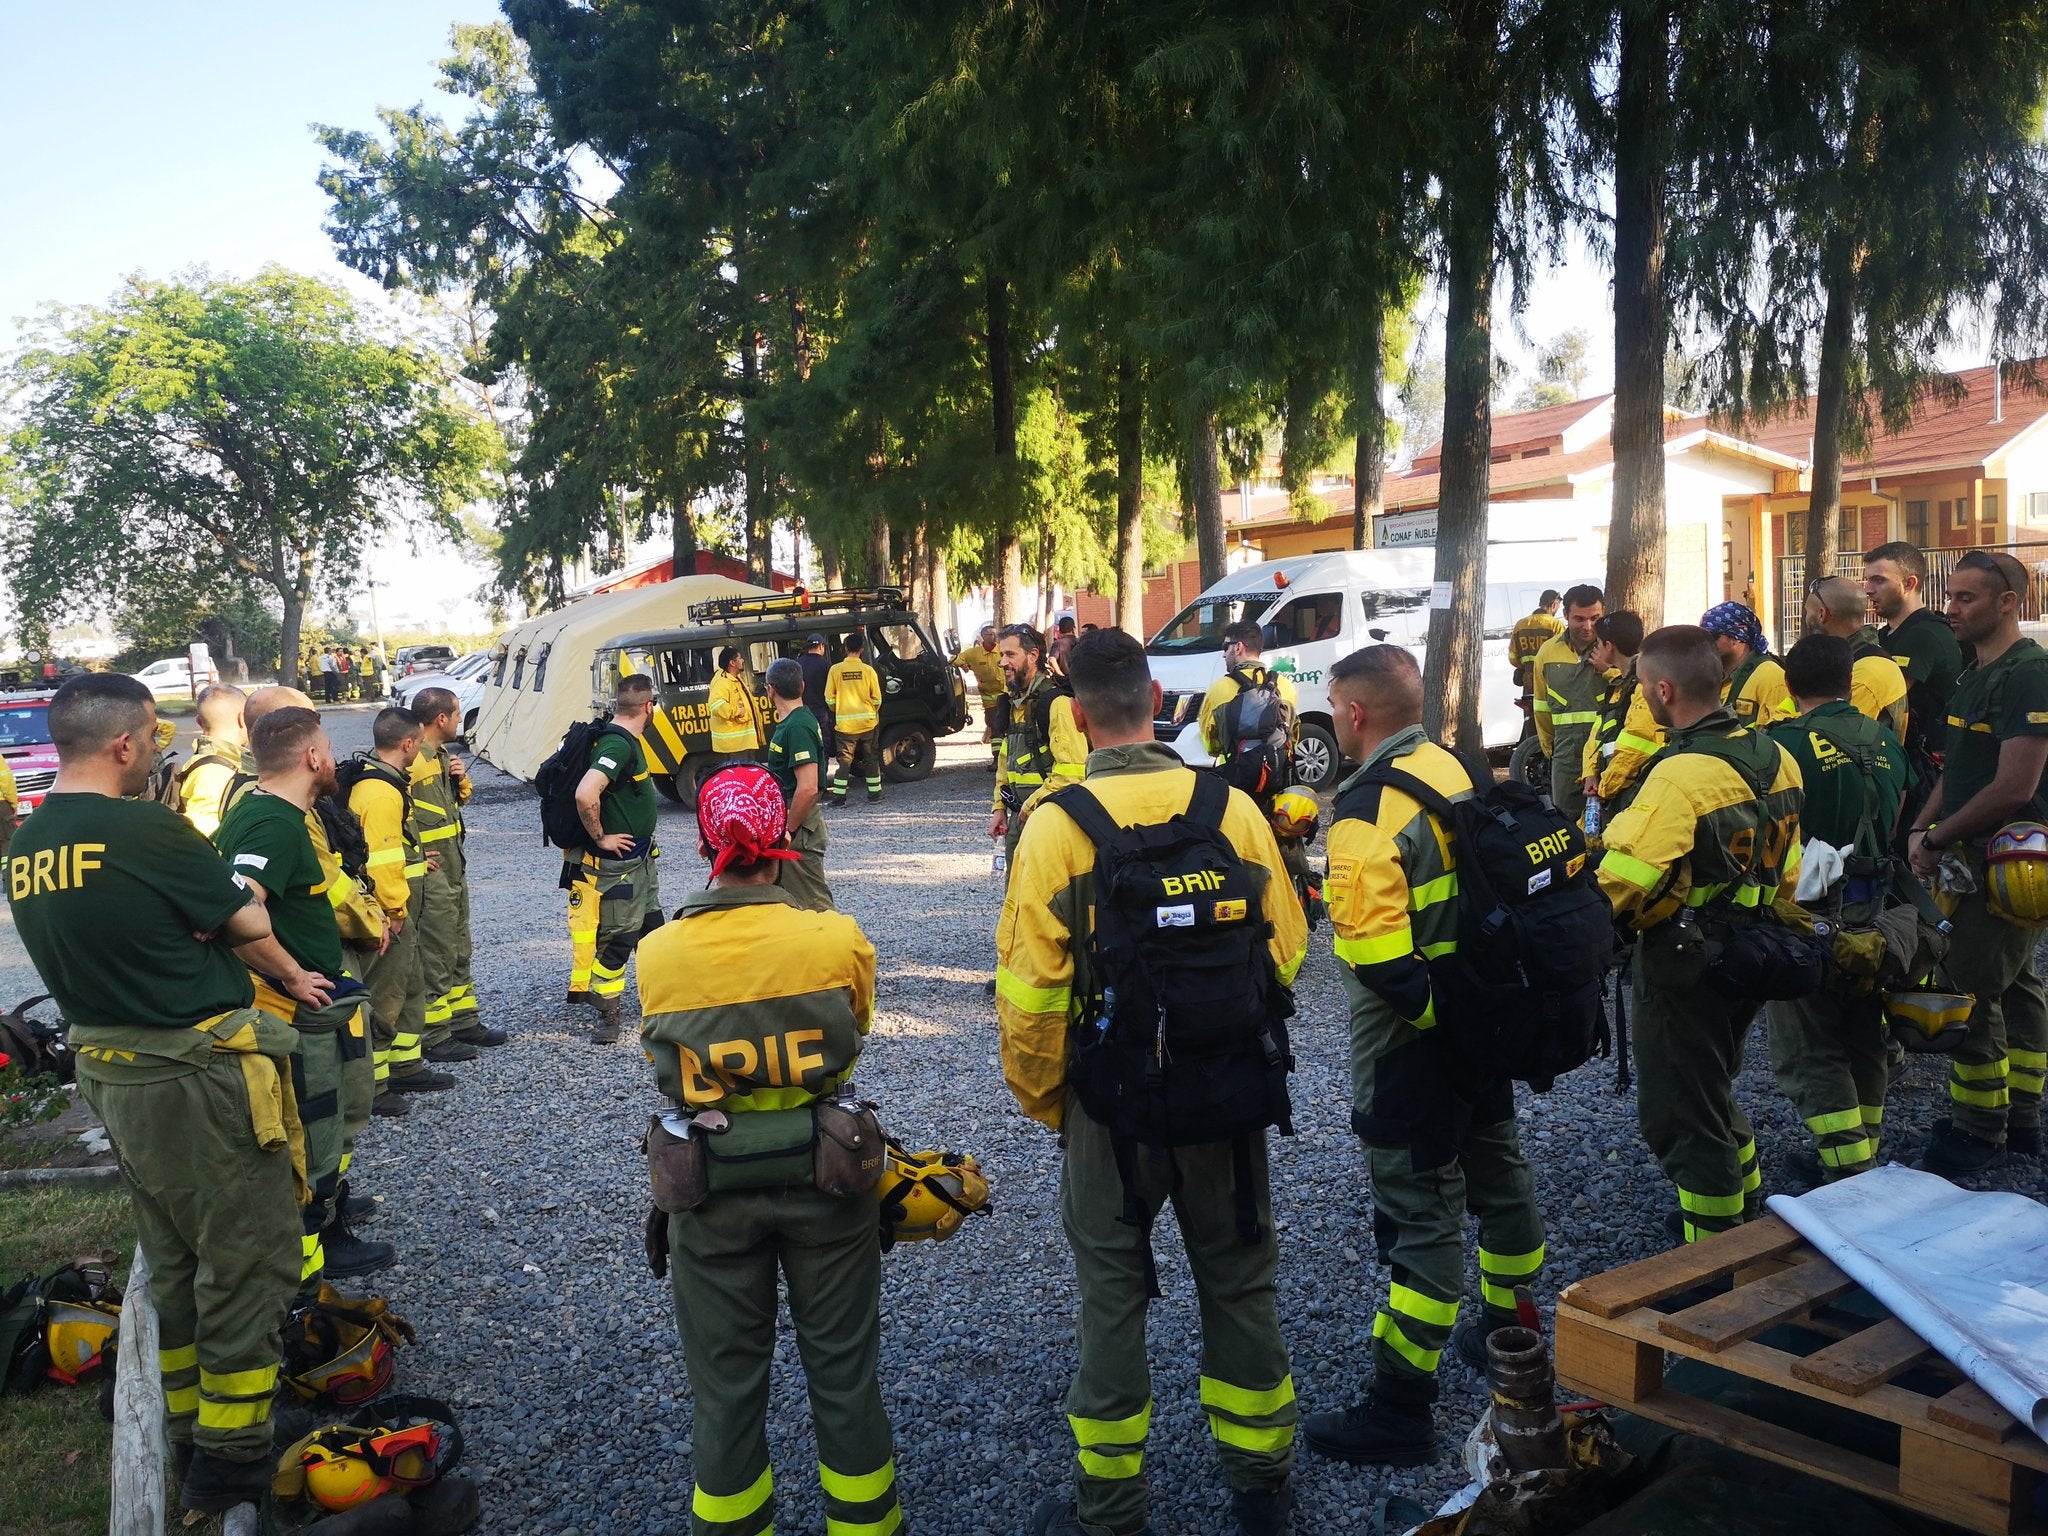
<point x="908" y="753"/>
<point x="681" y="786"/>
<point x="1315" y="758"/>
<point x="668" y="789"/>
<point x="1529" y="764"/>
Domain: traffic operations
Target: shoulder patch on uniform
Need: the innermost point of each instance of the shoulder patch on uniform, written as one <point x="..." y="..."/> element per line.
<point x="253" y="860"/>
<point x="609" y="762"/>
<point x="2037" y="717"/>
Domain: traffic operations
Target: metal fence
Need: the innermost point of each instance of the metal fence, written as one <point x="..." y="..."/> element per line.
<point x="1792" y="581"/>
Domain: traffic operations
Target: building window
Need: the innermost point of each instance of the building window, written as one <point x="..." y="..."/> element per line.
<point x="2037" y="507"/>
<point x="1990" y="509"/>
<point x="1795" y="533"/>
<point x="1916" y="524"/>
<point x="1849" y="531"/>
<point x="1955" y="514"/>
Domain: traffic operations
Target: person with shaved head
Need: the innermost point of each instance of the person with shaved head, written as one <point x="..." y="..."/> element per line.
<point x="1439" y="1129"/>
<point x="1838" y="605"/>
<point x="217" y="756"/>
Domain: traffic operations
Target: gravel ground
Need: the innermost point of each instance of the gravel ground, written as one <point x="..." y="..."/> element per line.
<point x="516" y="1202"/>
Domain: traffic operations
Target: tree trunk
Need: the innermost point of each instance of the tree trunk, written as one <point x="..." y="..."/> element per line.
<point x="1830" y="403"/>
<point x="938" y="582"/>
<point x="754" y="510"/>
<point x="1002" y="391"/>
<point x="1205" y="471"/>
<point x="831" y="568"/>
<point x="682" y="550"/>
<point x="1130" y="498"/>
<point x="1450" y="688"/>
<point x="878" y="554"/>
<point x="288" y="637"/>
<point x="1369" y="422"/>
<point x="1635" y="537"/>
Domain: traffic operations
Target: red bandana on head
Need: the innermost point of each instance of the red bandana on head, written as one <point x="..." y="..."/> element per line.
<point x="740" y="816"/>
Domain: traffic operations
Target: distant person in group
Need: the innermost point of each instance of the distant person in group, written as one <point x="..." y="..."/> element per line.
<point x="217" y="756"/>
<point x="781" y="1001"/>
<point x="1836" y="605"/>
<point x="1923" y="643"/>
<point x="10" y="806"/>
<point x="1627" y="735"/>
<point x="1568" y="688"/>
<point x="330" y="675"/>
<point x="796" y="757"/>
<point x="614" y="895"/>
<point x="735" y="731"/>
<point x="1828" y="1050"/>
<point x="188" y="1078"/>
<point x="1529" y="634"/>
<point x="817" y="699"/>
<point x="1753" y="684"/>
<point x="855" y="692"/>
<point x="440" y="788"/>
<point x="980" y="660"/>
<point x="1995" y="772"/>
<point x="1061" y="645"/>
<point x="380" y="672"/>
<point x="345" y="671"/>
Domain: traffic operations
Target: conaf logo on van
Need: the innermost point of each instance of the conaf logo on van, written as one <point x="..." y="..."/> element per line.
<point x="1308" y="677"/>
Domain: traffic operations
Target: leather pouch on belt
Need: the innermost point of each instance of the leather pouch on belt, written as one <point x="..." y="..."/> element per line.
<point x="848" y="1156"/>
<point x="763" y="1149"/>
<point x="1673" y="956"/>
<point x="676" y="1165"/>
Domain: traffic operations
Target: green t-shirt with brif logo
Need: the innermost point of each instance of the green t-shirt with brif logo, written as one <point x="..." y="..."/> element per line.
<point x="629" y="806"/>
<point x="109" y="898"/>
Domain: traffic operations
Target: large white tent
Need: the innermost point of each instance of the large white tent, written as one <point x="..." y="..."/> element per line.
<point x="541" y="681"/>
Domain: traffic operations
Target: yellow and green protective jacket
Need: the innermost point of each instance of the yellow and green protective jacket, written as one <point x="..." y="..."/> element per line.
<point x="734" y="726"/>
<point x="437" y="797"/>
<point x="1624" y="741"/>
<point x="750" y="1003"/>
<point x="1568" y="689"/>
<point x="1042" y="746"/>
<point x="854" y="691"/>
<point x="383" y="805"/>
<point x="1042" y="936"/>
<point x="1756" y="694"/>
<point x="1697" y="832"/>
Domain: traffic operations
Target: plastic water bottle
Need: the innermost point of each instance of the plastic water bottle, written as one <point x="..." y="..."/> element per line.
<point x="999" y="866"/>
<point x="1593" y="817"/>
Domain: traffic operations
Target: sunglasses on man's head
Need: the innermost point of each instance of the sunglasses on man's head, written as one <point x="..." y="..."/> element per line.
<point x="1979" y="560"/>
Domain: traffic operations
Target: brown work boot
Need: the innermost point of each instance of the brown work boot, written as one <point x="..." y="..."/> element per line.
<point x="606" y="1029"/>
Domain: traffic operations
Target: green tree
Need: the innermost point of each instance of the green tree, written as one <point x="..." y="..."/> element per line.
<point x="225" y="435"/>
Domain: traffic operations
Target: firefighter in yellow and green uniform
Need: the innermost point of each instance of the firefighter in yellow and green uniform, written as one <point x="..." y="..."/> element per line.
<point x="1043" y="981"/>
<point x="854" y="690"/>
<point x="1994" y="771"/>
<point x="1568" y="689"/>
<point x="189" y="1079"/>
<point x="751" y="1006"/>
<point x="440" y="789"/>
<point x="1712" y="833"/>
<point x="216" y="757"/>
<point x="382" y="800"/>
<point x="980" y="660"/>
<point x="264" y="838"/>
<point x="1439" y="1129"/>
<point x="1527" y="638"/>
<point x="735" y="728"/>
<point x="1627" y="736"/>
<point x="1753" y="684"/>
<point x="1038" y="742"/>
<point x="614" y="895"/>
<point x="1828" y="1051"/>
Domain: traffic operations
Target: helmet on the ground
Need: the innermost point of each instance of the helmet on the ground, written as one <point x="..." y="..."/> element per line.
<point x="2016" y="873"/>
<point x="340" y="1347"/>
<point x="77" y="1334"/>
<point x="1929" y="1021"/>
<point x="348" y="1467"/>
<point x="928" y="1194"/>
<point x="1295" y="813"/>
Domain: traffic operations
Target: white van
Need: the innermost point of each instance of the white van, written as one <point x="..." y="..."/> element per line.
<point x="1315" y="608"/>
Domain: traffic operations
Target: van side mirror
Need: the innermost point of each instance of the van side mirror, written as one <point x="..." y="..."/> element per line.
<point x="1378" y="634"/>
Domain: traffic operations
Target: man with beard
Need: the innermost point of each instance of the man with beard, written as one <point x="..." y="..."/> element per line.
<point x="1924" y="646"/>
<point x="1994" y="772"/>
<point x="1568" y="689"/>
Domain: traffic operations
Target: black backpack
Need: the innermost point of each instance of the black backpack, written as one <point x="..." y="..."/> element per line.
<point x="561" y="826"/>
<point x="344" y="835"/>
<point x="1254" y="731"/>
<point x="1524" y="989"/>
<point x="1183" y="1041"/>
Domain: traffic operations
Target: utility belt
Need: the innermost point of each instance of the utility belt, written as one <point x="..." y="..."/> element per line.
<point x="593" y="864"/>
<point x="834" y="1146"/>
<point x="1737" y="953"/>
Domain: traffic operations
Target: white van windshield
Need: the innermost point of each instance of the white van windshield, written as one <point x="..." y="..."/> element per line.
<point x="1199" y="626"/>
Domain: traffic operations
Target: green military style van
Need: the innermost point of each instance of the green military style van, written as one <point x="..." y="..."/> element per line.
<point x="922" y="696"/>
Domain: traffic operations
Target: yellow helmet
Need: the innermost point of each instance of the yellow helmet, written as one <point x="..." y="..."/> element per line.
<point x="2016" y="873"/>
<point x="392" y="1443"/>
<point x="340" y="1347"/>
<point x="928" y="1194"/>
<point x="1929" y="1021"/>
<point x="76" y="1334"/>
<point x="1295" y="813"/>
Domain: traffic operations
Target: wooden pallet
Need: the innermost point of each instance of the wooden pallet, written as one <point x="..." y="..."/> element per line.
<point x="1961" y="1458"/>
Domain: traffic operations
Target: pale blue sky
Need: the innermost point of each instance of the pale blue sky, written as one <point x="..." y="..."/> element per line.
<point x="152" y="136"/>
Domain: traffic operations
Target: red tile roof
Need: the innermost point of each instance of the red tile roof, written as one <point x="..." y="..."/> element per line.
<point x="1516" y="428"/>
<point x="1940" y="435"/>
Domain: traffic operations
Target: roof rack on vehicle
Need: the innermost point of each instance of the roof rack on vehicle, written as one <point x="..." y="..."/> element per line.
<point x="798" y="602"/>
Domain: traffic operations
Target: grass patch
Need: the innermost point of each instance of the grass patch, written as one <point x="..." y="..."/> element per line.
<point x="53" y="1479"/>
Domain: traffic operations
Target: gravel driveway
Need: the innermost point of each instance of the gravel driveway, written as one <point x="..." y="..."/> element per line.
<point x="516" y="1202"/>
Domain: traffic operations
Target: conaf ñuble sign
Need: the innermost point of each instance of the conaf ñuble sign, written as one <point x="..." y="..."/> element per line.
<point x="1404" y="530"/>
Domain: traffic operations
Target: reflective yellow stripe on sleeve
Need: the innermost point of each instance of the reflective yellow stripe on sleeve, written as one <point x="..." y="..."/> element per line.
<point x="386" y="856"/>
<point x="1643" y="876"/>
<point x="1019" y="993"/>
<point x="437" y="834"/>
<point x="1377" y="951"/>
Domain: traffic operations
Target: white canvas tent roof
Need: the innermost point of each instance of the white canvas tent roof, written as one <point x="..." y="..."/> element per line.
<point x="518" y="728"/>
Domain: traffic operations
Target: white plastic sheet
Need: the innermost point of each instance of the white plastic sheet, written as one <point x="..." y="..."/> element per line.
<point x="1968" y="1272"/>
